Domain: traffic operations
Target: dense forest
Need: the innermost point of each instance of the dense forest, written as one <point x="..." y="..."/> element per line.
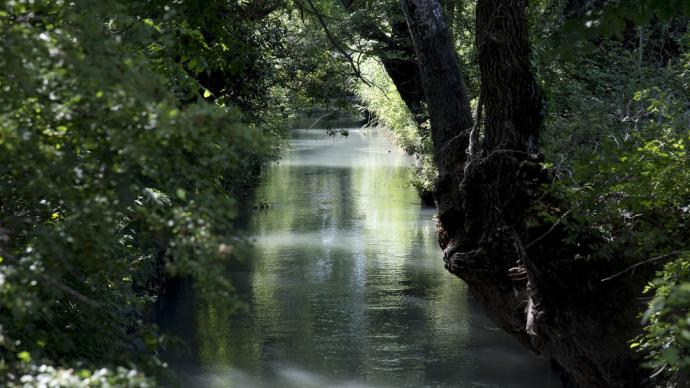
<point x="551" y="136"/>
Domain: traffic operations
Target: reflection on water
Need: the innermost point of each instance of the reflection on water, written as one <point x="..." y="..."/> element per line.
<point x="346" y="287"/>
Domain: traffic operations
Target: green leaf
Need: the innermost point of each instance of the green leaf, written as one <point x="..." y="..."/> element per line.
<point x="24" y="356"/>
<point x="670" y="355"/>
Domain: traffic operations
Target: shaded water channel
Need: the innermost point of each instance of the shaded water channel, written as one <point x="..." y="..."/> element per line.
<point x="345" y="287"/>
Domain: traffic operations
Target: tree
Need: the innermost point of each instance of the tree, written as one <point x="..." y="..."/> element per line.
<point x="116" y="170"/>
<point x="535" y="282"/>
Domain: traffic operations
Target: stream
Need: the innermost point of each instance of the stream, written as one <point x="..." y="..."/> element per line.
<point x="345" y="287"/>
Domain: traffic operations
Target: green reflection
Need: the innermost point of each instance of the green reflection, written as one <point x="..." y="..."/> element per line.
<point x="346" y="284"/>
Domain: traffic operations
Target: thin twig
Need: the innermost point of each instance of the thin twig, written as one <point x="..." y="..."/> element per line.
<point x="671" y="254"/>
<point x="76" y="294"/>
<point x="452" y="140"/>
<point x="317" y="120"/>
<point x="551" y="229"/>
<point x="474" y="134"/>
<point x="501" y="151"/>
<point x="334" y="42"/>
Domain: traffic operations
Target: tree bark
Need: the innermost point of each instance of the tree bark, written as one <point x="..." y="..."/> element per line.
<point x="397" y="55"/>
<point x="401" y="66"/>
<point x="399" y="59"/>
<point x="448" y="105"/>
<point x="538" y="289"/>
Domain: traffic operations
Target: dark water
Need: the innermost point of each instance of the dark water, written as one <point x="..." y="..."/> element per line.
<point x="346" y="288"/>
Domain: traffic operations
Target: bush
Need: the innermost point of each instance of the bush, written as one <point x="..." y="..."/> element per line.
<point x="106" y="181"/>
<point x="623" y="172"/>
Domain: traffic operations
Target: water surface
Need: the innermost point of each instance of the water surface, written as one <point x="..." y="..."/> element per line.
<point x="345" y="287"/>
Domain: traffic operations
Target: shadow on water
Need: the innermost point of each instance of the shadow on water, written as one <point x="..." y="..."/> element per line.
<point x="345" y="288"/>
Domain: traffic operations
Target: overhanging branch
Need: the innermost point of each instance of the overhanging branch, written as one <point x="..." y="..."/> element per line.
<point x="331" y="38"/>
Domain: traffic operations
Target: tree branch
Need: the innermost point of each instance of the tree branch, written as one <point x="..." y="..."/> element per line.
<point x="672" y="254"/>
<point x="548" y="232"/>
<point x="74" y="293"/>
<point x="355" y="66"/>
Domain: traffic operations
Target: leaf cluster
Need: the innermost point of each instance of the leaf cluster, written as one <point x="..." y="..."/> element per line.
<point x="112" y="175"/>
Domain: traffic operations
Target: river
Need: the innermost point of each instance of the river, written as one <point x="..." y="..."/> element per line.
<point x="345" y="287"/>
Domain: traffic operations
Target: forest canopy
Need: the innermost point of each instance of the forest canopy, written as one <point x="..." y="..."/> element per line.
<point x="133" y="132"/>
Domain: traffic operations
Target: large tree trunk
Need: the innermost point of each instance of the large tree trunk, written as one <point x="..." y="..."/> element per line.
<point x="402" y="68"/>
<point x="405" y="76"/>
<point x="535" y="288"/>
<point x="397" y="55"/>
<point x="448" y="105"/>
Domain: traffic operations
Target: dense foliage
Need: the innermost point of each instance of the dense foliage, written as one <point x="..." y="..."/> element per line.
<point x="130" y="130"/>
<point x="615" y="138"/>
<point x="124" y="129"/>
<point x="667" y="332"/>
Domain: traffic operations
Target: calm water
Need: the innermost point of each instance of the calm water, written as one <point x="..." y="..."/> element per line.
<point x="346" y="287"/>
